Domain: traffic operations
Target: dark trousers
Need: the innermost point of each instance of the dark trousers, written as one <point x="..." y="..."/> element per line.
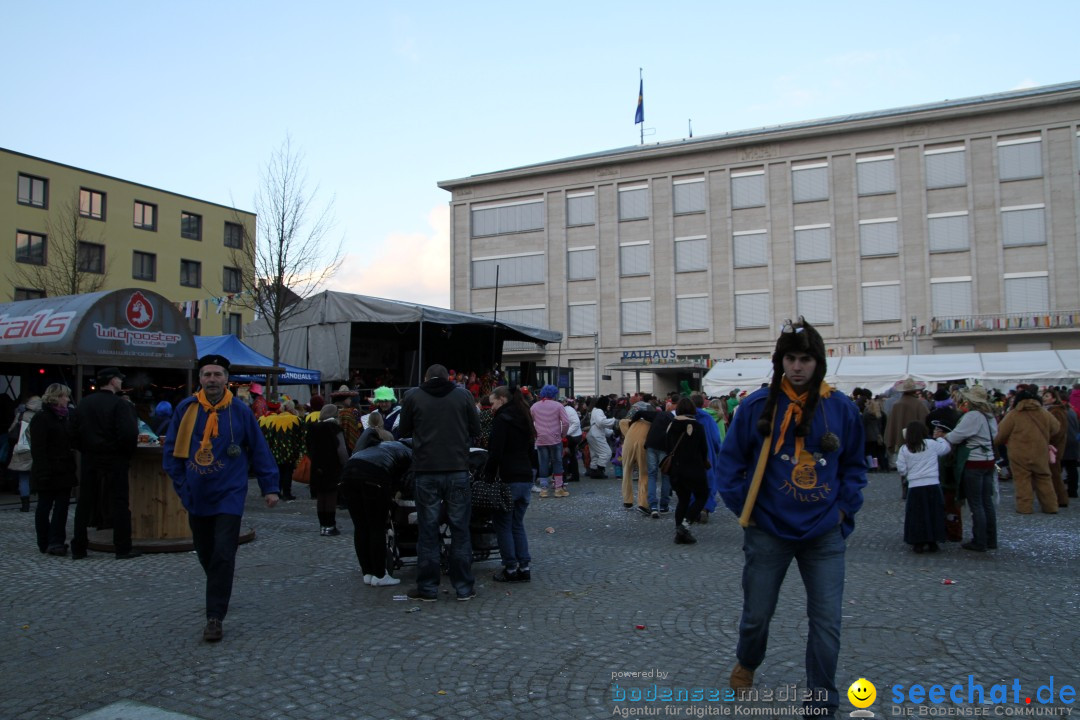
<point x="216" y="538"/>
<point x="50" y="519"/>
<point x="685" y="487"/>
<point x="103" y="486"/>
<point x="369" y="505"/>
<point x="285" y="480"/>
<point x="571" y="473"/>
<point x="1071" y="476"/>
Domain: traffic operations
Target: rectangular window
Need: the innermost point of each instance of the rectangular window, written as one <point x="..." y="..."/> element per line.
<point x="881" y="301"/>
<point x="234" y="235"/>
<point x="816" y="304"/>
<point x="751" y="248"/>
<point x="691" y="254"/>
<point x="30" y="248"/>
<point x="691" y="313"/>
<point x="581" y="263"/>
<point x="581" y="208"/>
<point x="948" y="232"/>
<point x="92" y="204"/>
<point x="232" y="324"/>
<point x="876" y="175"/>
<point x="878" y="237"/>
<point x="946" y="167"/>
<point x="505" y="218"/>
<point x="1027" y="292"/>
<point x="689" y="195"/>
<point x="91" y="258"/>
<point x="634" y="259"/>
<point x="1020" y="158"/>
<point x="634" y="202"/>
<point x="950" y="297"/>
<point x="583" y="319"/>
<point x="145" y="216"/>
<point x="1023" y="225"/>
<point x="144" y="266"/>
<point x="191" y="226"/>
<point x="748" y="189"/>
<point x="812" y="243"/>
<point x="810" y="182"/>
<point x="230" y="280"/>
<point x="508" y="270"/>
<point x="27" y="294"/>
<point x="752" y="309"/>
<point x="636" y="315"/>
<point x="190" y="273"/>
<point x="33" y="191"/>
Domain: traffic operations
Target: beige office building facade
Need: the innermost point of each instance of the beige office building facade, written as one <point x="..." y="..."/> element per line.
<point x="950" y="227"/>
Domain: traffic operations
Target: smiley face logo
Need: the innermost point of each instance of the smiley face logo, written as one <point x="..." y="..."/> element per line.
<point x="862" y="693"/>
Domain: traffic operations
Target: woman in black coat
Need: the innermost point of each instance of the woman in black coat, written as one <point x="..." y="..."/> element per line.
<point x="367" y="482"/>
<point x="512" y="459"/>
<point x="53" y="472"/>
<point x="689" y="460"/>
<point x="326" y="448"/>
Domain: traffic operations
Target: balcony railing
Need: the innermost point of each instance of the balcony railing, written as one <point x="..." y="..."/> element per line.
<point x="1015" y="321"/>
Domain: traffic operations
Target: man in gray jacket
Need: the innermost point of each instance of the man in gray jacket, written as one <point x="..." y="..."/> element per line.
<point x="441" y="418"/>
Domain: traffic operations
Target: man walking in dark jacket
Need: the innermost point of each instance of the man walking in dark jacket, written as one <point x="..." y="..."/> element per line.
<point x="441" y="418"/>
<point x="105" y="429"/>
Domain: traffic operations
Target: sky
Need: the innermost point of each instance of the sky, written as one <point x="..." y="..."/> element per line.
<point x="384" y="100"/>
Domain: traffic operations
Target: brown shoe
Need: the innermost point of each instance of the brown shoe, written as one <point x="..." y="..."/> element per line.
<point x="212" y="632"/>
<point x="741" y="679"/>
<point x="560" y="492"/>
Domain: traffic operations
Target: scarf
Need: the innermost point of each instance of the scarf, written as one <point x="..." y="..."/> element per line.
<point x="793" y="414"/>
<point x="182" y="449"/>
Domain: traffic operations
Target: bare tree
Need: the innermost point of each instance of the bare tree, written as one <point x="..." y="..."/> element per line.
<point x="74" y="258"/>
<point x="292" y="255"/>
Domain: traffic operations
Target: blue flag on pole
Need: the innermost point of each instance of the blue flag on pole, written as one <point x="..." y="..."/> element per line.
<point x="639" y="116"/>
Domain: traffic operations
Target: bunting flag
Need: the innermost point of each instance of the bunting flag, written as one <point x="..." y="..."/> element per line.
<point x="639" y="115"/>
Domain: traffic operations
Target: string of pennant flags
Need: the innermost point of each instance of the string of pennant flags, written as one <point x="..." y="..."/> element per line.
<point x="198" y="309"/>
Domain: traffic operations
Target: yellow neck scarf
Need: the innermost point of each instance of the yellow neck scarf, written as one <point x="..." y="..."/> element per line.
<point x="793" y="414"/>
<point x="182" y="449"/>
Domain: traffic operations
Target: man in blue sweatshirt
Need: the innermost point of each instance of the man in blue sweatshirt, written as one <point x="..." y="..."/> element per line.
<point x="805" y="444"/>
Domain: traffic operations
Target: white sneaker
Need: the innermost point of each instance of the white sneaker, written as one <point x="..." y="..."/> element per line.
<point x="368" y="579"/>
<point x="536" y="488"/>
<point x="384" y="581"/>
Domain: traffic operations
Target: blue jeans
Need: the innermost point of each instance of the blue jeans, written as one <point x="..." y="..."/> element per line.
<point x="550" y="462"/>
<point x="23" y="477"/>
<point x="821" y="564"/>
<point x="434" y="492"/>
<point x="510" y="528"/>
<point x="653" y="458"/>
<point x="979" y="491"/>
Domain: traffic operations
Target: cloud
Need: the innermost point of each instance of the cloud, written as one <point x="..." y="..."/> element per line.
<point x="1025" y="85"/>
<point x="414" y="267"/>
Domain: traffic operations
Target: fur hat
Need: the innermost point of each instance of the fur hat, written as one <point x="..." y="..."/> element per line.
<point x="549" y="391"/>
<point x="316" y="402"/>
<point x="795" y="337"/>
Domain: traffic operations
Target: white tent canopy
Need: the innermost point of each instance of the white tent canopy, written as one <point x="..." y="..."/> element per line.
<point x="880" y="372"/>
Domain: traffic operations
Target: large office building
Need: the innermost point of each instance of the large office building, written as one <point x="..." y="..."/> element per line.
<point x="943" y="228"/>
<point x="69" y="230"/>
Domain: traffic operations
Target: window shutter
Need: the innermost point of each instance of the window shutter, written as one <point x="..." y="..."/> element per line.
<point x="692" y="313"/>
<point x="950" y="298"/>
<point x="948" y="233"/>
<point x="691" y="254"/>
<point x="881" y="303"/>
<point x="1027" y="295"/>
<point x="879" y="238"/>
<point x="812" y="244"/>
<point x="752" y="310"/>
<point x="751" y="250"/>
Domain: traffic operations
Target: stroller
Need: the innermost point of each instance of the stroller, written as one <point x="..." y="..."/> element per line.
<point x="403" y="530"/>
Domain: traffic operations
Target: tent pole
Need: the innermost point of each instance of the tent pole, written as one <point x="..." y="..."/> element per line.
<point x="420" y="356"/>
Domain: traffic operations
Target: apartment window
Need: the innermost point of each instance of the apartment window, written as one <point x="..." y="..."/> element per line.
<point x="691" y="253"/>
<point x="582" y="319"/>
<point x="947" y="232"/>
<point x="634" y="259"/>
<point x="876" y="175"/>
<point x="1020" y="158"/>
<point x="581" y="263"/>
<point x="950" y="296"/>
<point x="748" y="188"/>
<point x="33" y="191"/>
<point x="816" y="304"/>
<point x="234" y="235"/>
<point x="750" y="248"/>
<point x="30" y="248"/>
<point x="691" y="313"/>
<point x="752" y="309"/>
<point x="1023" y="225"/>
<point x="581" y="208"/>
<point x="231" y="324"/>
<point x="27" y="294"/>
<point x="144" y="266"/>
<point x="91" y="258"/>
<point x="230" y="280"/>
<point x="509" y="217"/>
<point x="191" y="226"/>
<point x="190" y="273"/>
<point x="689" y="195"/>
<point x="881" y="301"/>
<point x="525" y="269"/>
<point x="812" y="243"/>
<point x="810" y="182"/>
<point x="636" y="315"/>
<point x="634" y="202"/>
<point x="1027" y="292"/>
<point x="92" y="204"/>
<point x="145" y="215"/>
<point x="946" y="167"/>
<point x="878" y="237"/>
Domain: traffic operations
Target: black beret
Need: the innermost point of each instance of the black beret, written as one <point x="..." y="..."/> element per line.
<point x="214" y="360"/>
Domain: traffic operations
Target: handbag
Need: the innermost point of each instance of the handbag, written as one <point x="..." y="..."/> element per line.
<point x="665" y="464"/>
<point x="23" y="445"/>
<point x="488" y="495"/>
<point x="302" y="473"/>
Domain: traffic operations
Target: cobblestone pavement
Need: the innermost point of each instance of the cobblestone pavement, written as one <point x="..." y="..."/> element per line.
<point x="610" y="593"/>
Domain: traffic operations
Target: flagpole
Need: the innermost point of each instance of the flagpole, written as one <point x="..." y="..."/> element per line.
<point x="641" y="101"/>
